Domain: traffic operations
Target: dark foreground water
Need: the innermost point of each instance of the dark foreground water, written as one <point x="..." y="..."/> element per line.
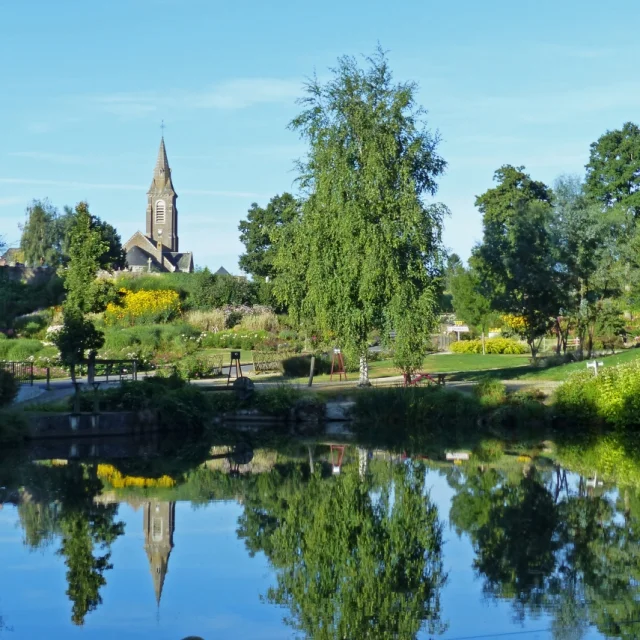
<point x="388" y="548"/>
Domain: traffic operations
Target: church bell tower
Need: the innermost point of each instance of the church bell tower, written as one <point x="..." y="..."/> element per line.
<point x="162" y="213"/>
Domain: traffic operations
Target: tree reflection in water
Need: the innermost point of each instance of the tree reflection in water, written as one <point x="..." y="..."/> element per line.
<point x="351" y="565"/>
<point x="572" y="554"/>
<point x="62" y="504"/>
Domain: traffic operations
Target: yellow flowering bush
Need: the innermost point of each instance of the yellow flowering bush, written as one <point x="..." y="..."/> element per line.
<point x="111" y="475"/>
<point x="143" y="307"/>
<point x="492" y="345"/>
<point x="518" y="324"/>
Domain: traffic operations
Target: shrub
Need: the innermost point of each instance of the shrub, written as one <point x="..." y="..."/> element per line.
<point x="12" y="427"/>
<point x="143" y="307"/>
<point x="492" y="346"/>
<point x="5" y="346"/>
<point x="8" y="388"/>
<point x="195" y="366"/>
<point x="211" y="320"/>
<point x="23" y="349"/>
<point x="490" y="392"/>
<point x="489" y="450"/>
<point x="299" y="366"/>
<point x="613" y="396"/>
<point x="234" y="318"/>
<point x="266" y="321"/>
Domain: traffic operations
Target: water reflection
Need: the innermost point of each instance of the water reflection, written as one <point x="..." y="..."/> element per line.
<point x="356" y="554"/>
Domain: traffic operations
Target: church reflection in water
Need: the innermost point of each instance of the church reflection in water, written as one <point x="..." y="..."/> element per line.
<point x="158" y="524"/>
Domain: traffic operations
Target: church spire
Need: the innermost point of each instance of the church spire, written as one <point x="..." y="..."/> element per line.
<point x="162" y="171"/>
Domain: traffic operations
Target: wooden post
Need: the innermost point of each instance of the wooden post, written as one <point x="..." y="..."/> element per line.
<point x="135" y="370"/>
<point x="313" y="364"/>
<point x="48" y="387"/>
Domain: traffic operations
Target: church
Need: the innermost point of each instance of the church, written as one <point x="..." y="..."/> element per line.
<point x="158" y="249"/>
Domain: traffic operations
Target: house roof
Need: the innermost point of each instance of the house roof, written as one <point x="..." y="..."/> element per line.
<point x="221" y="272"/>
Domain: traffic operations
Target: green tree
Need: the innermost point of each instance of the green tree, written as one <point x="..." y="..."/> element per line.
<point x="77" y="337"/>
<point x="86" y="250"/>
<point x="470" y="302"/>
<point x="214" y="291"/>
<point x="113" y="257"/>
<point x="516" y="262"/>
<point x="366" y="251"/>
<point x="84" y="293"/>
<point x="613" y="170"/>
<point x="258" y="231"/>
<point x="41" y="238"/>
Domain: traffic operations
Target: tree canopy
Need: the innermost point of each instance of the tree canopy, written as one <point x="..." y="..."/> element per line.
<point x="47" y="234"/>
<point x="613" y="170"/>
<point x="516" y="259"/>
<point x="258" y="231"/>
<point x="366" y="250"/>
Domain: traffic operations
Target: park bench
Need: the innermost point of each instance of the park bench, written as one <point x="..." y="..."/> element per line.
<point x="413" y="380"/>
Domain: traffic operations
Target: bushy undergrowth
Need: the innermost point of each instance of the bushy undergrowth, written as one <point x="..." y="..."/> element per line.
<point x="611" y="397"/>
<point x="20" y="349"/>
<point x="490" y="391"/>
<point x="426" y="419"/>
<point x="176" y="404"/>
<point x="299" y="366"/>
<point x="8" y="388"/>
<point x="492" y="346"/>
<point x="13" y="428"/>
<point x="209" y="320"/>
<point x="614" y="456"/>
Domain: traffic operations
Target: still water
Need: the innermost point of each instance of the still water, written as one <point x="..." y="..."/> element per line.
<point x="257" y="546"/>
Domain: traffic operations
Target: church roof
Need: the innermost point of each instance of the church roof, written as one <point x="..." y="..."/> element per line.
<point x="137" y="257"/>
<point x="182" y="261"/>
<point x="221" y="272"/>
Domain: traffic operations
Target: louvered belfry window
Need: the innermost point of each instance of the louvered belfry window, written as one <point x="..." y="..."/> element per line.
<point x="160" y="212"/>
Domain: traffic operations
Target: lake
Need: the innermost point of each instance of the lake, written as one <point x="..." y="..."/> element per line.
<point x="247" y="542"/>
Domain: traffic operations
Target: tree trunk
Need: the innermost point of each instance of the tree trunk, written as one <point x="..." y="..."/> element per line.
<point x="311" y="465"/>
<point x="72" y="371"/>
<point x="483" y="347"/>
<point x="364" y="372"/>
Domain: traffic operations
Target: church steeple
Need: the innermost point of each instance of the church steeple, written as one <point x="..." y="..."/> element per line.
<point x="162" y="213"/>
<point x="162" y="171"/>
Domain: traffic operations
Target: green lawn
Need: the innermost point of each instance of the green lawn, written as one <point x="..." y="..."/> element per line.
<point x="557" y="373"/>
<point x="437" y="363"/>
<point x="463" y="366"/>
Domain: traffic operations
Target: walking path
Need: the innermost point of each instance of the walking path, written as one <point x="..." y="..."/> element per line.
<point x="63" y="388"/>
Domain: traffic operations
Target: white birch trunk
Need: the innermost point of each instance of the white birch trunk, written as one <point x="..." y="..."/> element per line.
<point x="364" y="372"/>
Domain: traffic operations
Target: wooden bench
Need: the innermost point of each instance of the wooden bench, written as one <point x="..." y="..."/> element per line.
<point x="435" y="378"/>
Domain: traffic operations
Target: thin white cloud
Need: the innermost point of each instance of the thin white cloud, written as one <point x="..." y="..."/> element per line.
<point x="71" y="185"/>
<point x="38" y="127"/>
<point x="11" y="200"/>
<point x="577" y="51"/>
<point x="57" y="158"/>
<point x="239" y="93"/>
<point x="35" y="182"/>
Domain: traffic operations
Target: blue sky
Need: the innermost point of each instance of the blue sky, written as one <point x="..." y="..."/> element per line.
<point x="85" y="85"/>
